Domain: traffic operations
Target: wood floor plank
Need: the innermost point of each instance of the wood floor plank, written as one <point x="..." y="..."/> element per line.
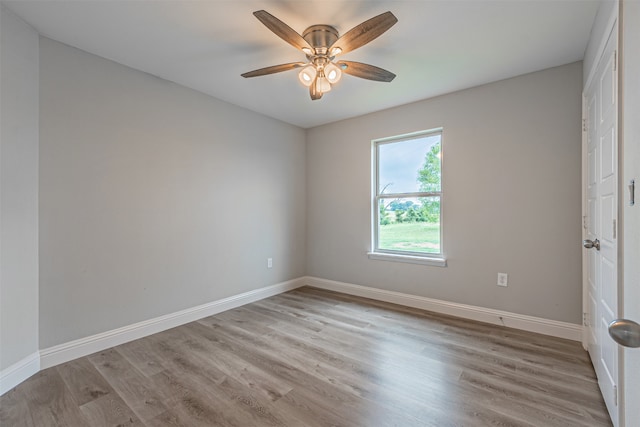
<point x="193" y="401"/>
<point x="109" y="410"/>
<point x="510" y="391"/>
<point x="142" y="356"/>
<point x="196" y="400"/>
<point x="243" y="390"/>
<point x="316" y="358"/>
<point x="246" y="319"/>
<point x="50" y="402"/>
<point x="341" y="389"/>
<point x="14" y="410"/>
<point x="309" y="411"/>
<point x="83" y="380"/>
<point x="249" y="375"/>
<point x="130" y="384"/>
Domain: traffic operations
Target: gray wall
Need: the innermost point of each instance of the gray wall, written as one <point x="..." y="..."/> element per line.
<point x="512" y="196"/>
<point x="155" y="198"/>
<point x="18" y="189"/>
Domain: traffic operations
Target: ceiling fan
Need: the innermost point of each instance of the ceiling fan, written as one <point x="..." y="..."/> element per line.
<point x="321" y="44"/>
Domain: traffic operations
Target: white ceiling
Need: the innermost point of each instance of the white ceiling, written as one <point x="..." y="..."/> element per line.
<point x="436" y="47"/>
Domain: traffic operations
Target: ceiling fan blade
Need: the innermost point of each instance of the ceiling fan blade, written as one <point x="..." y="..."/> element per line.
<point x="365" y="32"/>
<point x="273" y="69"/>
<point x="366" y="71"/>
<point x="313" y="90"/>
<point x="282" y="30"/>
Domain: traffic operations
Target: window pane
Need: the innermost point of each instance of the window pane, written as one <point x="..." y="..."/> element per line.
<point x="410" y="165"/>
<point x="409" y="224"/>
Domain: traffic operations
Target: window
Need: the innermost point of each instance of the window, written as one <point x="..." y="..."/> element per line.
<point x="407" y="200"/>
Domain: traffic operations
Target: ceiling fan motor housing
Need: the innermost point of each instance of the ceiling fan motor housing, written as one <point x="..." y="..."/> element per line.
<point x="321" y="37"/>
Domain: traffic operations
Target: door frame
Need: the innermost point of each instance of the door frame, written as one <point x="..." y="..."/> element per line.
<point x="629" y="63"/>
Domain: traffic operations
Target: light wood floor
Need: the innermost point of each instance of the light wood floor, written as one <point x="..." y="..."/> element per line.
<point x="317" y="358"/>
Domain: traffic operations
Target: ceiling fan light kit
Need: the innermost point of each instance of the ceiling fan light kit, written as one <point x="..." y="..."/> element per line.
<point x="321" y="44"/>
<point x="307" y="75"/>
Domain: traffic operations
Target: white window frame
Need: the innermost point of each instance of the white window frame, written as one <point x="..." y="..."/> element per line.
<point x="435" y="259"/>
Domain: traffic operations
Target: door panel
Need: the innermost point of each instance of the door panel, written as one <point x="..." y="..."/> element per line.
<point x="601" y="210"/>
<point x="608" y="210"/>
<point x="607" y="86"/>
<point x="592" y="316"/>
<point x="608" y="154"/>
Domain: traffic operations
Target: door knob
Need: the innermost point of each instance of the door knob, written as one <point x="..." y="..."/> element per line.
<point x="591" y="244"/>
<point x="625" y="332"/>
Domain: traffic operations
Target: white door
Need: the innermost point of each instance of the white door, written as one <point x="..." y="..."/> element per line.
<point x="601" y="222"/>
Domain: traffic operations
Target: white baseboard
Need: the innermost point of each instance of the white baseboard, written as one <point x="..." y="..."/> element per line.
<point x="18" y="372"/>
<point x="539" y="325"/>
<point x="84" y="346"/>
<point x="23" y="369"/>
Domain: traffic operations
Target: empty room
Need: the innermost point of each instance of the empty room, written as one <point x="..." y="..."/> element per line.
<point x="320" y="213"/>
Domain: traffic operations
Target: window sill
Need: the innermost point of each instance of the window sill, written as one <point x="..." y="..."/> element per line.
<point x="380" y="256"/>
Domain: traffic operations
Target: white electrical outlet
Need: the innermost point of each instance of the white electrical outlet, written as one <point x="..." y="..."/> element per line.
<point x="269" y="262"/>
<point x="503" y="279"/>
